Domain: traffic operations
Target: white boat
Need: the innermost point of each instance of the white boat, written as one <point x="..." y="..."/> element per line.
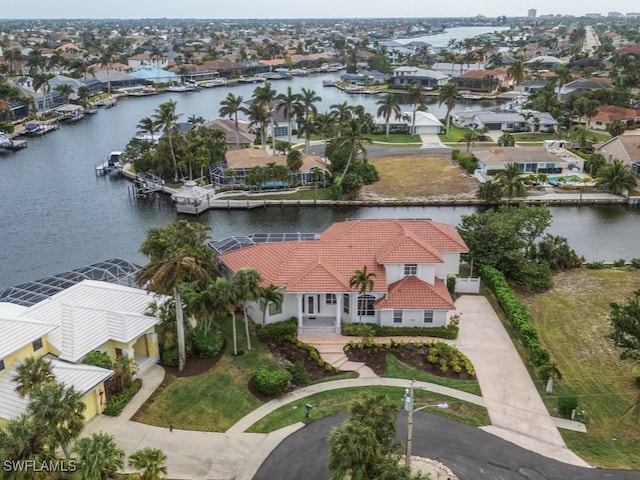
<point x="112" y="164"/>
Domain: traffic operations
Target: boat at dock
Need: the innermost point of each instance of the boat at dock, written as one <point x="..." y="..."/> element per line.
<point x="112" y="164"/>
<point x="183" y="87"/>
<point x="142" y="92"/>
<point x="35" y="129"/>
<point x="107" y="102"/>
<point x="216" y="82"/>
<point x="8" y="143"/>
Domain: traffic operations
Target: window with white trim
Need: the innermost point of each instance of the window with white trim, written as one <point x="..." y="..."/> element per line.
<point x="411" y="269"/>
<point x="365" y="305"/>
<point x="330" y="299"/>
<point x="428" y="316"/>
<point x="345" y="303"/>
<point x="397" y="316"/>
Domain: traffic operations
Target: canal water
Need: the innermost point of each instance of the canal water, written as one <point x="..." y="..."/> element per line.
<point x="55" y="214"/>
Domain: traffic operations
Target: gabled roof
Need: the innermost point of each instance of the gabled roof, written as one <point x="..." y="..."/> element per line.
<point x="328" y="263"/>
<point x="411" y="292"/>
<point x="90" y="314"/>
<point x="18" y="332"/>
<point x="83" y="378"/>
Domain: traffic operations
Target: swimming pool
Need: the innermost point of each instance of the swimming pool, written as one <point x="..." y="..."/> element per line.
<point x="564" y="178"/>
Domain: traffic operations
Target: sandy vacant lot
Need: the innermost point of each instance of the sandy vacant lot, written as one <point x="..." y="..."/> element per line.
<point x="417" y="177"/>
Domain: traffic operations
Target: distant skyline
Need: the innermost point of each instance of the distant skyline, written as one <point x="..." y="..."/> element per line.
<point x="132" y="9"/>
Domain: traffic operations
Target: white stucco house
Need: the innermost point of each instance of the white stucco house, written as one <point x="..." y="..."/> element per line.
<point x="411" y="260"/>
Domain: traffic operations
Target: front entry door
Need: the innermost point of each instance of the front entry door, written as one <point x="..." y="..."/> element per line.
<point x="311" y="305"/>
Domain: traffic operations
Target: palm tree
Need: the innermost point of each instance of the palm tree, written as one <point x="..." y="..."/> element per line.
<point x="177" y="254"/>
<point x="325" y="125"/>
<point x="225" y="298"/>
<point x="259" y="115"/>
<point x="515" y="71"/>
<point x="294" y="160"/>
<point x="352" y="139"/>
<point x="291" y="106"/>
<point x="58" y="412"/>
<point x="580" y="134"/>
<point x="415" y="98"/>
<point x="563" y="76"/>
<point x="511" y="181"/>
<point x="388" y="106"/>
<point x="550" y="371"/>
<point x="447" y="95"/>
<point x="247" y="284"/>
<point x="270" y="294"/>
<point x="31" y="374"/>
<point x="363" y="280"/>
<point x="469" y="136"/>
<point x="165" y="116"/>
<point x="229" y="107"/>
<point x="64" y="90"/>
<point x="616" y="177"/>
<point x="265" y="96"/>
<point x="341" y="112"/>
<point x="152" y="462"/>
<point x="98" y="457"/>
<point x="124" y="367"/>
<point x="354" y="452"/>
<point x="308" y="99"/>
<point x="147" y="125"/>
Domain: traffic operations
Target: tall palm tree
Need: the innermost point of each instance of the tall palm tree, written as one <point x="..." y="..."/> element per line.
<point x="31" y="374"/>
<point x="148" y="125"/>
<point x="352" y="139"/>
<point x="247" y="284"/>
<point x="511" y="181"/>
<point x="563" y="76"/>
<point x="225" y="298"/>
<point x="64" y="90"/>
<point x="21" y="439"/>
<point x="308" y="99"/>
<point x="98" y="457"/>
<point x="166" y="117"/>
<point x="290" y="106"/>
<point x="270" y="294"/>
<point x="259" y="115"/>
<point x="58" y="412"/>
<point x="177" y="254"/>
<point x="447" y="95"/>
<point x="515" y="71"/>
<point x="416" y="98"/>
<point x="325" y="125"/>
<point x="616" y="177"/>
<point x="265" y="96"/>
<point x="469" y="136"/>
<point x="364" y="281"/>
<point x="354" y="452"/>
<point x="341" y="112"/>
<point x="229" y="107"/>
<point x="388" y="106"/>
<point x="152" y="462"/>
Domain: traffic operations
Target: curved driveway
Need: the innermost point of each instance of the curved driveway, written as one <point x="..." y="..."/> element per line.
<point x="469" y="452"/>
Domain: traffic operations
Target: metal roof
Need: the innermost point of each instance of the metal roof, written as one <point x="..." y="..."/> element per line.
<point x="116" y="270"/>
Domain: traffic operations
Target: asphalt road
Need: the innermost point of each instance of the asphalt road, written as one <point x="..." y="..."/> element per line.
<point x="469" y="452"/>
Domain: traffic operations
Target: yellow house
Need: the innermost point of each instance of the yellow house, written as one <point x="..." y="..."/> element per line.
<point x="89" y="316"/>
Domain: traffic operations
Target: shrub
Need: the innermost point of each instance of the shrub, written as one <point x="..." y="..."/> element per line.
<point x="209" y="345"/>
<point x="468" y="162"/>
<point x="621" y="262"/>
<point x="635" y="262"/>
<point x="567" y="404"/>
<point x="516" y="313"/>
<point x="170" y="357"/>
<point x="596" y="265"/>
<point x="277" y="331"/>
<point x="117" y="401"/>
<point x="356" y="330"/>
<point x="98" y="359"/>
<point x="271" y="382"/>
<point x="451" y="283"/>
<point x="299" y="374"/>
<point x="456" y="154"/>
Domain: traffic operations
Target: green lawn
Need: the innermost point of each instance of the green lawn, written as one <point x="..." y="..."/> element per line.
<point x="395" y="138"/>
<point x="535" y="137"/>
<point x="334" y="401"/>
<point x="572" y="321"/>
<point x="310" y="194"/>
<point x="214" y="400"/>
<point x="397" y="369"/>
<point x="455" y="134"/>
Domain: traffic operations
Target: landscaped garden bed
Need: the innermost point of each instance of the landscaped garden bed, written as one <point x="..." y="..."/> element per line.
<point x="436" y="358"/>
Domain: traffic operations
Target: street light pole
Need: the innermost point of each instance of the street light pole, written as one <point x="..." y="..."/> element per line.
<point x="408" y="406"/>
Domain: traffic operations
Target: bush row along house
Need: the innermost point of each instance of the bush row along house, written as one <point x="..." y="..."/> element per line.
<point x="86" y="317"/>
<point x="411" y="260"/>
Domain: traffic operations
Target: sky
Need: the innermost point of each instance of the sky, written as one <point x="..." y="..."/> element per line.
<point x="301" y="8"/>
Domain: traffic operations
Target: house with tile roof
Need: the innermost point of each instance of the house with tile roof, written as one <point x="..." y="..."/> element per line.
<point x="625" y="147"/>
<point x="610" y="113"/>
<point x="87" y="317"/>
<point x="411" y="260"/>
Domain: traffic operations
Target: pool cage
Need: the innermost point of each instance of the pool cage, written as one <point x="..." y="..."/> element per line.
<point x="116" y="270"/>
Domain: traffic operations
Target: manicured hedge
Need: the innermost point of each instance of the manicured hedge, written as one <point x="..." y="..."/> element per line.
<point x="271" y="382"/>
<point x="516" y="313"/>
<point x="277" y="331"/>
<point x="117" y="401"/>
<point x="358" y="330"/>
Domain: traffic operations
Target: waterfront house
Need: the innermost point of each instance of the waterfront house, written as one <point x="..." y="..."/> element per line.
<point x="579" y="86"/>
<point x="513" y="121"/>
<point x="86" y="317"/>
<point x="411" y="260"/>
<point x="624" y="147"/>
<point x="141" y="60"/>
<point x="228" y="128"/>
<point x="610" y="113"/>
<point x="485" y="81"/>
<point x="155" y="75"/>
<point x="239" y="164"/>
<point x="546" y="62"/>
<point x="426" y="123"/>
<point x="552" y="159"/>
<point x="429" y="79"/>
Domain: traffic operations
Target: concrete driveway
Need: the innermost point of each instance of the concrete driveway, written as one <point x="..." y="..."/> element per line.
<point x="514" y="405"/>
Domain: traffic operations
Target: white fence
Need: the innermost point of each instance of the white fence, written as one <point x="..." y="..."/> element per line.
<point x="467" y="285"/>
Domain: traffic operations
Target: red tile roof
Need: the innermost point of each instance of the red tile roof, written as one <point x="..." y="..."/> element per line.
<point x="411" y="292"/>
<point x="327" y="264"/>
